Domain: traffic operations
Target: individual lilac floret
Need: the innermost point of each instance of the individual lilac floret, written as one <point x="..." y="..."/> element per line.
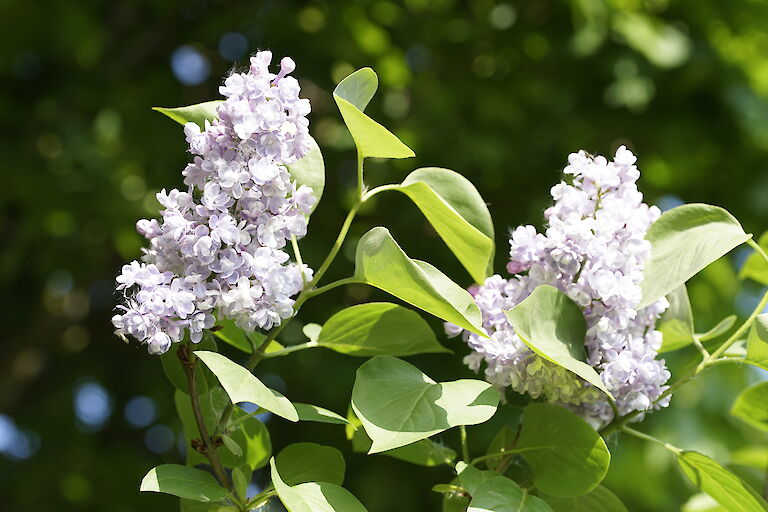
<point x="593" y="250"/>
<point x="218" y="247"/>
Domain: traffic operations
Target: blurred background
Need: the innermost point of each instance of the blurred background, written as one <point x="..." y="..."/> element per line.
<point x="499" y="91"/>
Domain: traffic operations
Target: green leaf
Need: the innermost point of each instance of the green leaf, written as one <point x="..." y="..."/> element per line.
<point x="184" y="482"/>
<point x="423" y="453"/>
<point x="314" y="496"/>
<point x="751" y="406"/>
<point x="174" y="370"/>
<point x="310" y="170"/>
<point x="756" y="268"/>
<point x="684" y="240"/>
<point x="567" y="456"/>
<point x="598" y="499"/>
<point x="399" y="405"/>
<point x="252" y="435"/>
<point x="492" y="492"/>
<point x="701" y="503"/>
<point x="378" y="328"/>
<point x="312" y="331"/>
<point x="458" y="213"/>
<point x="317" y="414"/>
<point x="193" y="113"/>
<point x="676" y="324"/>
<point x="309" y="462"/>
<point x="228" y="332"/>
<point x="725" y="487"/>
<point x="553" y="326"/>
<point x="242" y="386"/>
<point x="504" y="440"/>
<point x="754" y="456"/>
<point x="722" y="327"/>
<point x="241" y="477"/>
<point x="381" y="263"/>
<point x="757" y="341"/>
<point x="232" y="446"/>
<point x="372" y="140"/>
<point x="500" y="494"/>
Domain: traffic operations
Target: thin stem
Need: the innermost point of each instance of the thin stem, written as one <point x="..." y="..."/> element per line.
<point x="297" y="255"/>
<point x="260" y="499"/>
<point x="757" y="248"/>
<point x="378" y="190"/>
<point x="210" y="451"/>
<point x="646" y="437"/>
<point x="291" y="349"/>
<point x="245" y="417"/>
<point x="464" y="444"/>
<point x="331" y="286"/>
<point x="360" y="184"/>
<point x="700" y="347"/>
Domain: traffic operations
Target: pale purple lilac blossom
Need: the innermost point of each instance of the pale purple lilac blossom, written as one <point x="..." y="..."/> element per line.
<point x="218" y="247"/>
<point x="593" y="250"/>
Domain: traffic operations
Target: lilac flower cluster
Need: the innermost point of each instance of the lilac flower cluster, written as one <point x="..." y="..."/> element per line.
<point x="593" y="250"/>
<point x="218" y="246"/>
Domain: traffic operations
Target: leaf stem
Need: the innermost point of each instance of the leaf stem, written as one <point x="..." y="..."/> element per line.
<point x="291" y="349"/>
<point x="503" y="453"/>
<point x="379" y="189"/>
<point x="464" y="443"/>
<point x="646" y="437"/>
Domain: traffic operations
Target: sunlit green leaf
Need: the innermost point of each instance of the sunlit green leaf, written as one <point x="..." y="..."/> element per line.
<point x="198" y="113"/>
<point x="722" y="327"/>
<point x="242" y="386"/>
<point x="458" y="213"/>
<point x="380" y="262"/>
<point x="756" y="268"/>
<point x="184" y="482"/>
<point x="684" y="240"/>
<point x="399" y="405"/>
<point x="567" y="456"/>
<point x="314" y="496"/>
<point x="757" y="341"/>
<point x="378" y="328"/>
<point x="310" y="462"/>
<point x="553" y="326"/>
<point x="317" y="414"/>
<point x="722" y="485"/>
<point x="701" y="503"/>
<point x="372" y="139"/>
<point x="492" y="492"/>
<point x="751" y="406"/>
<point x="676" y="324"/>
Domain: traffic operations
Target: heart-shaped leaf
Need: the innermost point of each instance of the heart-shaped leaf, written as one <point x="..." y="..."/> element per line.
<point x="199" y="113"/>
<point x="751" y="406"/>
<point x="684" y="240"/>
<point x="399" y="405"/>
<point x="184" y="482"/>
<point x="454" y="207"/>
<point x="726" y="488"/>
<point x="492" y="492"/>
<point x="553" y="326"/>
<point x="378" y="328"/>
<point x="310" y="462"/>
<point x="242" y="386"/>
<point x="372" y="140"/>
<point x="314" y="496"/>
<point x="567" y="456"/>
<point x="380" y="262"/>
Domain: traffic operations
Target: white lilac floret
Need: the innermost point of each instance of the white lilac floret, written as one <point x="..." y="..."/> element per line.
<point x="218" y="247"/>
<point x="593" y="250"/>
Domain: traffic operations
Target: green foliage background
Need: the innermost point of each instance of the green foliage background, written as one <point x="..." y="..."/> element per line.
<point x="500" y="92"/>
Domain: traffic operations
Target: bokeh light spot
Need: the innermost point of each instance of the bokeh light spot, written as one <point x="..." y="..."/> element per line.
<point x="93" y="406"/>
<point x="233" y="46"/>
<point x="159" y="439"/>
<point x="140" y="411"/>
<point x="189" y="65"/>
